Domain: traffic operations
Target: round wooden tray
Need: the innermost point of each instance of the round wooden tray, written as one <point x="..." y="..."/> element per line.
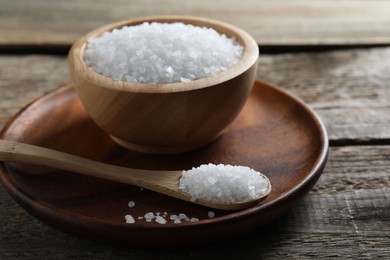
<point x="275" y="133"/>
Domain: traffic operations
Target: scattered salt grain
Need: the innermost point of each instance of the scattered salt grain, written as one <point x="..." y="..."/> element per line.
<point x="131" y="204"/>
<point x="223" y="183"/>
<point x="149" y="216"/>
<point x="194" y="219"/>
<point x="158" y="53"/>
<point x="160" y="220"/>
<point x="182" y="216"/>
<point x="211" y="214"/>
<point x="129" y="219"/>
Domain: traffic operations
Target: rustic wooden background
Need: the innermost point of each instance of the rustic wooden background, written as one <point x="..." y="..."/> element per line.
<point x="54" y="23"/>
<point x="346" y="215"/>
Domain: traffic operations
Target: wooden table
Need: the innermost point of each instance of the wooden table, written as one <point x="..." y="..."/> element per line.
<point x="346" y="215"/>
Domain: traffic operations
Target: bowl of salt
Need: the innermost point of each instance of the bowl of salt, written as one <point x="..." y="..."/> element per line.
<point x="165" y="84"/>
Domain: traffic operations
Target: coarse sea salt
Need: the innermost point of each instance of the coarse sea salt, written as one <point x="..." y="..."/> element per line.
<point x="156" y="217"/>
<point x="129" y="219"/>
<point x="158" y="53"/>
<point x="162" y="218"/>
<point x="223" y="183"/>
<point x="211" y="214"/>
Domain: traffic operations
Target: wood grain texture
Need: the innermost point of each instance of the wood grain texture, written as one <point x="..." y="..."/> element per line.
<point x="350" y="223"/>
<point x="348" y="89"/>
<point x="283" y="22"/>
<point x="346" y="214"/>
<point x="288" y="134"/>
<point x="23" y="79"/>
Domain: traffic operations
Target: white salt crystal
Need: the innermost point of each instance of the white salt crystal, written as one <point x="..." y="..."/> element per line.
<point x="129" y="219"/>
<point x="211" y="214"/>
<point x="149" y="215"/>
<point x="194" y="220"/>
<point x="160" y="220"/>
<point x="182" y="216"/>
<point x="159" y="53"/>
<point x="223" y="183"/>
<point x="131" y="204"/>
<point x="182" y="79"/>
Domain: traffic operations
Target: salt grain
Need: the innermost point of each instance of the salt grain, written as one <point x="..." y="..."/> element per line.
<point x="223" y="183"/>
<point x="129" y="219"/>
<point x="157" y="53"/>
<point x="149" y="216"/>
<point x="182" y="216"/>
<point x="160" y="220"/>
<point x="211" y="214"/>
<point x="131" y="204"/>
<point x="194" y="220"/>
<point x="177" y="219"/>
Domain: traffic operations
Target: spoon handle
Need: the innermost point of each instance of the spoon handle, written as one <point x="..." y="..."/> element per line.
<point x="25" y="153"/>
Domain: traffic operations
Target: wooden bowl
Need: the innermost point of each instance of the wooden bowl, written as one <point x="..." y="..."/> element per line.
<point x="166" y="118"/>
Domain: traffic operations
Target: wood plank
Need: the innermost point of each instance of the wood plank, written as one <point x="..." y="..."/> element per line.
<point x="283" y="22"/>
<point x="25" y="78"/>
<point x="346" y="215"/>
<point x="348" y="89"/>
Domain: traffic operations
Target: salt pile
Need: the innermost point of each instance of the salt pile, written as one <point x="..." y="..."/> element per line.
<point x="158" y="53"/>
<point x="223" y="183"/>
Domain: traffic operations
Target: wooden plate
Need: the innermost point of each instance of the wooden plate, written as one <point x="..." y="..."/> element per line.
<point x="275" y="133"/>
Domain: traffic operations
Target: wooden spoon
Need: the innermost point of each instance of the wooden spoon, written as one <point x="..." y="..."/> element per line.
<point x="165" y="182"/>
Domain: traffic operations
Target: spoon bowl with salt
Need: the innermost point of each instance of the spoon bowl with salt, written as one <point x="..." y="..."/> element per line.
<point x="235" y="187"/>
